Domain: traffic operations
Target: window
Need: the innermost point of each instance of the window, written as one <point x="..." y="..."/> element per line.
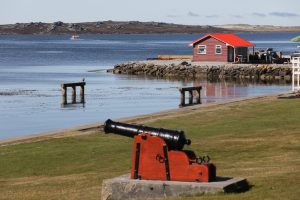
<point x="201" y="49"/>
<point x="218" y="49"/>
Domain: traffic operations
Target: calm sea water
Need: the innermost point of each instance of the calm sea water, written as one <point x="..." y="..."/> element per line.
<point x="32" y="68"/>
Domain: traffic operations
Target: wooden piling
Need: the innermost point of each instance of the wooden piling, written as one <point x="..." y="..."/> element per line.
<point x="191" y="97"/>
<point x="191" y="91"/>
<point x="82" y="94"/>
<point x="182" y="97"/>
<point x="73" y="94"/>
<point x="64" y="87"/>
<point x="198" y="97"/>
<point x="64" y="95"/>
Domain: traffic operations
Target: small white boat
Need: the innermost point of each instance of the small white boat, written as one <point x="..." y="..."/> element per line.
<point x="75" y="37"/>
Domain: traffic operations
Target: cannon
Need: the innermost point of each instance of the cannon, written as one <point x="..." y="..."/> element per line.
<point x="158" y="154"/>
<point x="174" y="139"/>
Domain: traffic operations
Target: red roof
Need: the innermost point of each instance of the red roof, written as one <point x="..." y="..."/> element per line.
<point x="227" y="38"/>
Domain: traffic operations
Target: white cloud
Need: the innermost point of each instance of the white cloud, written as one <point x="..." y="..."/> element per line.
<point x="259" y="14"/>
<point x="283" y="14"/>
<point x="191" y="14"/>
<point x="212" y="16"/>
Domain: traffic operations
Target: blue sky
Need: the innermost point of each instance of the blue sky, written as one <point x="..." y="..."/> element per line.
<point x="195" y="12"/>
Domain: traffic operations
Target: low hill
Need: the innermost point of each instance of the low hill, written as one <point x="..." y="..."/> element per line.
<point x="103" y="27"/>
<point x="259" y="28"/>
<point x="130" y="27"/>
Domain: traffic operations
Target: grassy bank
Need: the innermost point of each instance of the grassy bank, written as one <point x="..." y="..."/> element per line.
<point x="256" y="139"/>
<point x="296" y="39"/>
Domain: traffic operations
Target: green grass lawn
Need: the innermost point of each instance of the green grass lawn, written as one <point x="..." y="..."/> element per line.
<point x="255" y="139"/>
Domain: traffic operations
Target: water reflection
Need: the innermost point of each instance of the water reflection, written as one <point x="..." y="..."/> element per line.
<point x="108" y="96"/>
<point x="72" y="106"/>
<point x="214" y="90"/>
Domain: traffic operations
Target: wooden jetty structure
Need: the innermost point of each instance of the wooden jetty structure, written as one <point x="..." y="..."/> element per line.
<point x="65" y="86"/>
<point x="296" y="73"/>
<point x="191" y="91"/>
<point x="174" y="57"/>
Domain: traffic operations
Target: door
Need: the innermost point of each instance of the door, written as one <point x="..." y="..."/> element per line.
<point x="230" y="54"/>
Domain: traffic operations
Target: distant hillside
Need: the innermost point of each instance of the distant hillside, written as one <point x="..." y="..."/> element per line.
<point x="130" y="27"/>
<point x="259" y="28"/>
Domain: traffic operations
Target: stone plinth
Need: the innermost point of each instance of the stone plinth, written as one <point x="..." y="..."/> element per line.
<point x="123" y="187"/>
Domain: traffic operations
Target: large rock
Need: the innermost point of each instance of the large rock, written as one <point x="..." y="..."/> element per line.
<point x="59" y="23"/>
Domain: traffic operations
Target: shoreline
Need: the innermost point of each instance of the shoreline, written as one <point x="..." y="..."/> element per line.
<point x="91" y="128"/>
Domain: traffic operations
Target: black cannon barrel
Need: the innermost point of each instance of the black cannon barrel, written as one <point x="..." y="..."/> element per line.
<point x="174" y="139"/>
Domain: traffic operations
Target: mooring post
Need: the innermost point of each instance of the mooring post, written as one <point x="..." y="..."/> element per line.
<point x="64" y="87"/>
<point x="82" y="93"/>
<point x="198" y="95"/>
<point x="73" y="94"/>
<point x="190" y="96"/>
<point x="191" y="90"/>
<point x="64" y="94"/>
<point x="182" y="97"/>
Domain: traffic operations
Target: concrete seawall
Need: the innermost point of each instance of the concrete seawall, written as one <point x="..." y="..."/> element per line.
<point x="189" y="69"/>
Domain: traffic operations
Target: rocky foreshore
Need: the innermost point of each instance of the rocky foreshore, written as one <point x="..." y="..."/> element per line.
<point x="192" y="70"/>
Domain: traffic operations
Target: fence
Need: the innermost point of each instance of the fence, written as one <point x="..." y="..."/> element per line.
<point x="296" y="73"/>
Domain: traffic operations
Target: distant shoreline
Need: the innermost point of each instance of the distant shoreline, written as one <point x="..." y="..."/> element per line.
<point x="90" y="128"/>
<point x="132" y="27"/>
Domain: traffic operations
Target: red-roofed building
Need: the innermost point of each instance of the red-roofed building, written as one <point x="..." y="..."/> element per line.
<point x="221" y="47"/>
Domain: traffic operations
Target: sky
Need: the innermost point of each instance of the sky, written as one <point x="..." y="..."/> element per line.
<point x="192" y="12"/>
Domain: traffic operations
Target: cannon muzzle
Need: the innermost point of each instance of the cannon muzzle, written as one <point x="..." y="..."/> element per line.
<point x="174" y="139"/>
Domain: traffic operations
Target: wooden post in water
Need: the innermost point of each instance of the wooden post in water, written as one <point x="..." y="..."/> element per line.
<point x="73" y="94"/>
<point x="82" y="94"/>
<point x="64" y="94"/>
<point x="182" y="97"/>
<point x="64" y="87"/>
<point x="191" y="97"/>
<point x="198" y="101"/>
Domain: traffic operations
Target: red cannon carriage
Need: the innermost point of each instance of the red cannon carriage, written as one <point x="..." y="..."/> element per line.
<point x="157" y="154"/>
